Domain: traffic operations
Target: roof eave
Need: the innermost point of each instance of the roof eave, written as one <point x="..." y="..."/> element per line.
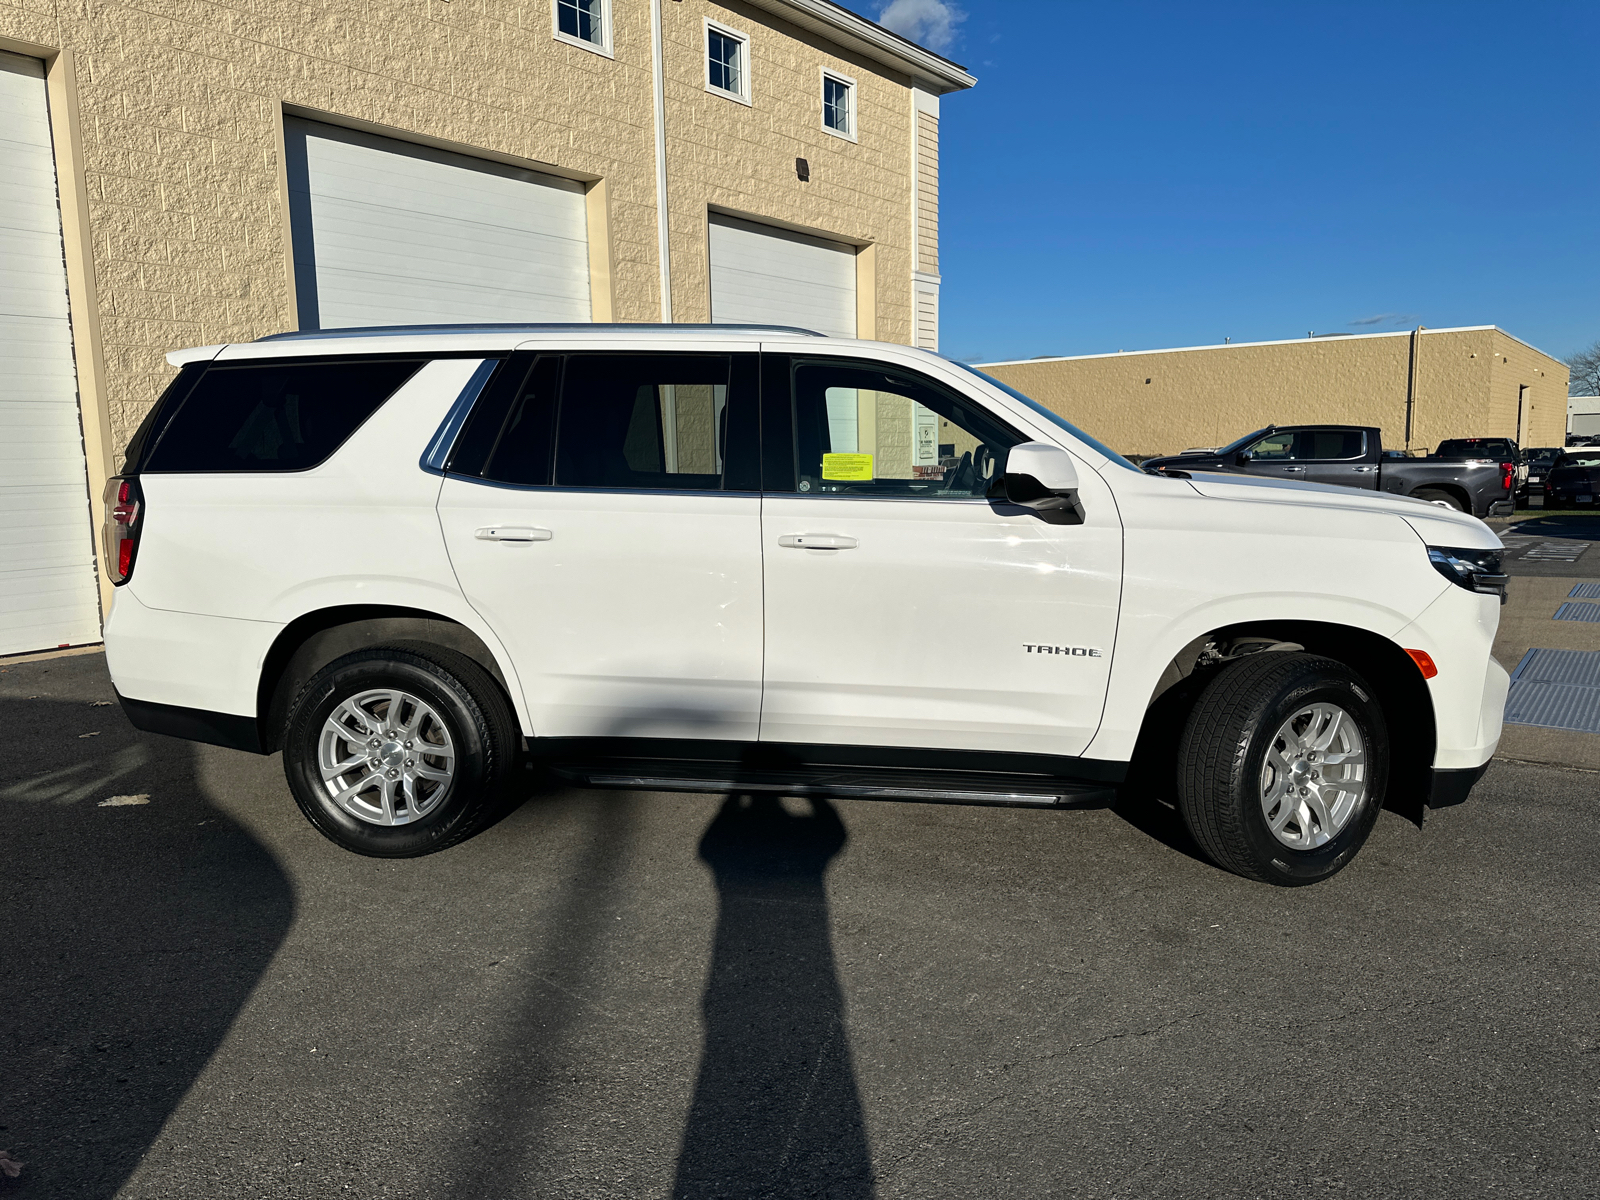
<point x="840" y="25"/>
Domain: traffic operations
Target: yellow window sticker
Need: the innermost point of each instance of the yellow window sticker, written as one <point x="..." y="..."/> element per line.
<point x="847" y="466"/>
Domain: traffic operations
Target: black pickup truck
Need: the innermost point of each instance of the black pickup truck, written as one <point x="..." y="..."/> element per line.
<point x="1353" y="456"/>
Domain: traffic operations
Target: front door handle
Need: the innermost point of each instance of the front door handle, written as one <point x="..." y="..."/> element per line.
<point x="817" y="541"/>
<point x="1293" y="470"/>
<point x="512" y="533"/>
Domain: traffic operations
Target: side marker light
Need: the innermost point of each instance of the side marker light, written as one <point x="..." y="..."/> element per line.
<point x="1424" y="662"/>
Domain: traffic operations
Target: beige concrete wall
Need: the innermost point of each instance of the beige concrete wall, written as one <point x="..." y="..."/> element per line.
<point x="740" y="159"/>
<point x="179" y="146"/>
<point x="1513" y="366"/>
<point x="1162" y="402"/>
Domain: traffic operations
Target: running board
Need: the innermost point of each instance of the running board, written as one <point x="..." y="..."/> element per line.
<point x="920" y="787"/>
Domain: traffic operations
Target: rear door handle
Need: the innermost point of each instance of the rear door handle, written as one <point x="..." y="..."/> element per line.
<point x="1293" y="470"/>
<point x="512" y="533"/>
<point x="1364" y="470"/>
<point x="817" y="541"/>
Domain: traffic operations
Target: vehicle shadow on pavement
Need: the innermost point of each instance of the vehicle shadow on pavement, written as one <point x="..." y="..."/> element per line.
<point x="138" y="919"/>
<point x="776" y="1111"/>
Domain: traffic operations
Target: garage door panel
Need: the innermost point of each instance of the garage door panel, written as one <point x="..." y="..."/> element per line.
<point x="767" y="276"/>
<point x="54" y="542"/>
<point x="48" y="591"/>
<point x="378" y="304"/>
<point x="523" y="268"/>
<point x="37" y="354"/>
<point x="388" y="233"/>
<point x="476" y="192"/>
<point x="43" y="609"/>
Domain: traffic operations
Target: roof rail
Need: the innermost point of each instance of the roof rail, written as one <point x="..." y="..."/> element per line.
<point x="310" y="335"/>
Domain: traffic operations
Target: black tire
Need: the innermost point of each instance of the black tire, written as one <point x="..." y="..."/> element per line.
<point x="470" y="704"/>
<point x="1224" y="746"/>
<point x="1440" y="496"/>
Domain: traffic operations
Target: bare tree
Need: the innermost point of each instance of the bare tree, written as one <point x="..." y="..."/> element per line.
<point x="1585" y="368"/>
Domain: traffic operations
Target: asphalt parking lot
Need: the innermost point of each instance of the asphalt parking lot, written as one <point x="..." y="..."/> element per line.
<point x="619" y="995"/>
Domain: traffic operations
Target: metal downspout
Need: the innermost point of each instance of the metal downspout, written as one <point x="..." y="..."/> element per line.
<point x="1411" y="381"/>
<point x="661" y="159"/>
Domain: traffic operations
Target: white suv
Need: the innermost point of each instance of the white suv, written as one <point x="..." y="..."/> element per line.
<point x="722" y="557"/>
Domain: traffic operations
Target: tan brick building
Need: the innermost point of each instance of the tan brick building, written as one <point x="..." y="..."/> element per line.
<point x="1434" y="383"/>
<point x="226" y="170"/>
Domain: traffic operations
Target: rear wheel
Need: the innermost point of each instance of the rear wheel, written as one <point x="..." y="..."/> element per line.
<point x="1440" y="496"/>
<point x="1282" y="767"/>
<point x="396" y="753"/>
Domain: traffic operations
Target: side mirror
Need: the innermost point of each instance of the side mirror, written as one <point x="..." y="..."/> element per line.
<point x="1043" y="478"/>
<point x="1241" y="458"/>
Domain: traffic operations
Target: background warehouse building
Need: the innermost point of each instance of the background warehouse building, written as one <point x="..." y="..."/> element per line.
<point x="1419" y="387"/>
<point x="198" y="172"/>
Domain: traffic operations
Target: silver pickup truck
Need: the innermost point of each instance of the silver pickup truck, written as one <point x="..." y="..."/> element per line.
<point x="1353" y="456"/>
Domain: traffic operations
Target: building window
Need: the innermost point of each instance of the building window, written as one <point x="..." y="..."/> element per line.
<point x="727" y="63"/>
<point x="585" y="23"/>
<point x="839" y="104"/>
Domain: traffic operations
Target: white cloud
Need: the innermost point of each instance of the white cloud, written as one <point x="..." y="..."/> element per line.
<point x="930" y="22"/>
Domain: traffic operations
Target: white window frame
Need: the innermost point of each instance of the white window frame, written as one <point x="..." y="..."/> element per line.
<point x="851" y="91"/>
<point x="743" y="95"/>
<point x="602" y="48"/>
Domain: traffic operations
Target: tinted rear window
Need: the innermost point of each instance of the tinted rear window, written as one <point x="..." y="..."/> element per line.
<point x="1330" y="443"/>
<point x="287" y="415"/>
<point x="1474" y="448"/>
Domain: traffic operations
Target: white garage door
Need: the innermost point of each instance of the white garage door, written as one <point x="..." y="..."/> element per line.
<point x="766" y="276"/>
<point x="387" y="233"/>
<point x="48" y="592"/>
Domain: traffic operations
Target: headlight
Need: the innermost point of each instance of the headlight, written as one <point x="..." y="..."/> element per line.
<point x="1475" y="570"/>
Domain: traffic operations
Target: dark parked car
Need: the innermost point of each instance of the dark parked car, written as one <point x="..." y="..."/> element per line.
<point x="1540" y="460"/>
<point x="1574" y="478"/>
<point x="1353" y="456"/>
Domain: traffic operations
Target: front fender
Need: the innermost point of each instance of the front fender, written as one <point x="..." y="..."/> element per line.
<point x="1195" y="565"/>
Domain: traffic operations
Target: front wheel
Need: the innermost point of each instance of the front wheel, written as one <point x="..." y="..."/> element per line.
<point x="393" y="753"/>
<point x="1282" y="767"/>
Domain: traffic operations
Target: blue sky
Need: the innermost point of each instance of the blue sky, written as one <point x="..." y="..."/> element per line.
<point x="1132" y="176"/>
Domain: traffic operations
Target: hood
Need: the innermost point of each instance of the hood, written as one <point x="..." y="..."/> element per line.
<point x="1435" y="525"/>
<point x="1197" y="460"/>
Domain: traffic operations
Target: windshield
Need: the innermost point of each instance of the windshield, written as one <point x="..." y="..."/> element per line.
<point x="1583" y="458"/>
<point x="1245" y="440"/>
<point x="1044" y="412"/>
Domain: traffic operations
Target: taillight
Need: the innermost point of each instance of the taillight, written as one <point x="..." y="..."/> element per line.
<point x="120" y="535"/>
<point x="1510" y="471"/>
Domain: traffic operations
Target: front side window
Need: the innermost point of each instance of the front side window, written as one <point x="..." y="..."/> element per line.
<point x="838" y="105"/>
<point x="586" y="22"/>
<point x="871" y="432"/>
<point x="727" y="65"/>
<point x="285" y="415"/>
<point x="1275" y="447"/>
